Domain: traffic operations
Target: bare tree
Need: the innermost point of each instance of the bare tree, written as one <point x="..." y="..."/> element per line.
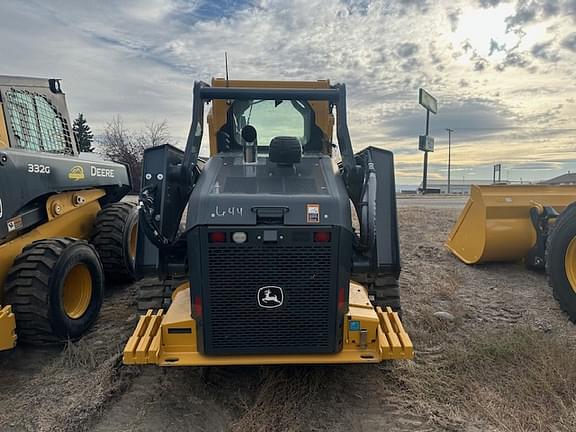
<point x="120" y="144"/>
<point x="156" y="133"/>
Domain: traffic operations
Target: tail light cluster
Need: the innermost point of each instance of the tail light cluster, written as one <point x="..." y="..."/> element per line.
<point x="341" y="298"/>
<point x="197" y="306"/>
<point x="322" y="236"/>
<point x="217" y="237"/>
<point x="240" y="237"/>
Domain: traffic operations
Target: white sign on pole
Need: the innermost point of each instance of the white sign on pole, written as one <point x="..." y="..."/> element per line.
<point x="428" y="101"/>
<point x="426" y="143"/>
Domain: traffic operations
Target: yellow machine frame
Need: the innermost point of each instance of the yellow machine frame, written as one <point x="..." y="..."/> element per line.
<point x="219" y="110"/>
<point x="70" y="214"/>
<point x="3" y="130"/>
<point x="169" y="339"/>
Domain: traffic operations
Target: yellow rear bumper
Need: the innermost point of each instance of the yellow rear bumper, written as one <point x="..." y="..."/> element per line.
<point x="169" y="339"/>
<point x="7" y="328"/>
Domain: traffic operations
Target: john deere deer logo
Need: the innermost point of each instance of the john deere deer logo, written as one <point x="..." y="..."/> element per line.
<point x="270" y="297"/>
<point x="76" y="173"/>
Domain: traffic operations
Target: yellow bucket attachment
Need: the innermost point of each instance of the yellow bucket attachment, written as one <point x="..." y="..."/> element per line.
<point x="495" y="224"/>
<point x="7" y="328"/>
<point x="169" y="339"/>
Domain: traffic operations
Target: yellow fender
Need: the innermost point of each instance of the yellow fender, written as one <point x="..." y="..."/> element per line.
<point x="7" y="328"/>
<point x="495" y="223"/>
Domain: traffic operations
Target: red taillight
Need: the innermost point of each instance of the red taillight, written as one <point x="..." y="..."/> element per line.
<point x="197" y="307"/>
<point x="217" y="237"/>
<point x="322" y="236"/>
<point x="341" y="298"/>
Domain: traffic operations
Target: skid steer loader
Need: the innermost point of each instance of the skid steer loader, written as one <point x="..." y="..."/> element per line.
<point x="275" y="272"/>
<point x="62" y="227"/>
<point x="533" y="223"/>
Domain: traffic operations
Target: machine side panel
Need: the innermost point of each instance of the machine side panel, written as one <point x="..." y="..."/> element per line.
<point x="231" y="193"/>
<point x="27" y="178"/>
<point x="384" y="253"/>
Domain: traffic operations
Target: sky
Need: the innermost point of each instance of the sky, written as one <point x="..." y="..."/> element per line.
<point x="504" y="72"/>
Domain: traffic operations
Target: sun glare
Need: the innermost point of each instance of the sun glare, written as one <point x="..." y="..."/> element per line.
<point x="477" y="28"/>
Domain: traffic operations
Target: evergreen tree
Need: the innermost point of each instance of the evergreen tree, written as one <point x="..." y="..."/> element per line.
<point x="83" y="134"/>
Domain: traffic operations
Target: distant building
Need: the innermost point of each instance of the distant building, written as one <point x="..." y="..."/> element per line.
<point x="457" y="188"/>
<point x="564" y="179"/>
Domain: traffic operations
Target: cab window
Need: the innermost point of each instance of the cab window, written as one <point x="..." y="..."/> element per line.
<point x="36" y="123"/>
<point x="272" y="118"/>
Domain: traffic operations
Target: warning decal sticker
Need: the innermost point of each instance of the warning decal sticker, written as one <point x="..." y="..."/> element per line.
<point x="313" y="213"/>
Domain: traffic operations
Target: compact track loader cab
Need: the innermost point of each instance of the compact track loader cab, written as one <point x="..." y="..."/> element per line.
<point x="269" y="252"/>
<point x="62" y="227"/>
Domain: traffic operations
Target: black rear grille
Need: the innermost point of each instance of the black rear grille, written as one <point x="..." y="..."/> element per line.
<point x="235" y="323"/>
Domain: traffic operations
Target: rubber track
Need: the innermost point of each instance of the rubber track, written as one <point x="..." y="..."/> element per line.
<point x="28" y="292"/>
<point x="384" y="289"/>
<point x="155" y="294"/>
<point x="108" y="239"/>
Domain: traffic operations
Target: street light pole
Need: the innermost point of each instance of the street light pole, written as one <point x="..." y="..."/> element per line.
<point x="449" y="152"/>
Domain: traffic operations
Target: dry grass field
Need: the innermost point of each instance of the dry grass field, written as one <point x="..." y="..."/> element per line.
<point x="505" y="362"/>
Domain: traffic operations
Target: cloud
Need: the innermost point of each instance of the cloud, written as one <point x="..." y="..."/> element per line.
<point x="569" y="42"/>
<point x="570" y="8"/>
<point x="453" y="16"/>
<point x="513" y="60"/>
<point x="419" y="6"/>
<point x="526" y="12"/>
<point x="480" y="65"/>
<point x="531" y="11"/>
<point x="490" y="3"/>
<point x="551" y="7"/>
<point x="496" y="47"/>
<point x="463" y="113"/>
<point x="543" y="51"/>
<point x="407" y="50"/>
<point x="141" y="60"/>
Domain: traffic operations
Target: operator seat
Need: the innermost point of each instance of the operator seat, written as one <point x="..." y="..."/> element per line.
<point x="285" y="150"/>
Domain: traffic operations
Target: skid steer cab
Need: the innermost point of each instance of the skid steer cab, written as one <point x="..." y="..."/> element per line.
<point x="272" y="270"/>
<point x="62" y="227"/>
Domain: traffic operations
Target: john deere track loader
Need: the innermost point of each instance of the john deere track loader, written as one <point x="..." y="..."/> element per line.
<point x="533" y="223"/>
<point x="62" y="227"/>
<point x="275" y="272"/>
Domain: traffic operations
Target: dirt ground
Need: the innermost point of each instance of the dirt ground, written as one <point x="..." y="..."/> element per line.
<point x="503" y="363"/>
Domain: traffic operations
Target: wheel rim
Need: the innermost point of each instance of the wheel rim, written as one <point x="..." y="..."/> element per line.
<point x="77" y="291"/>
<point x="133" y="240"/>
<point x="570" y="263"/>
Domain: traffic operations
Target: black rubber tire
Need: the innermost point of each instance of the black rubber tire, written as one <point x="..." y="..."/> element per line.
<point x="111" y="238"/>
<point x="155" y="294"/>
<point x="383" y="290"/>
<point x="34" y="289"/>
<point x="562" y="234"/>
